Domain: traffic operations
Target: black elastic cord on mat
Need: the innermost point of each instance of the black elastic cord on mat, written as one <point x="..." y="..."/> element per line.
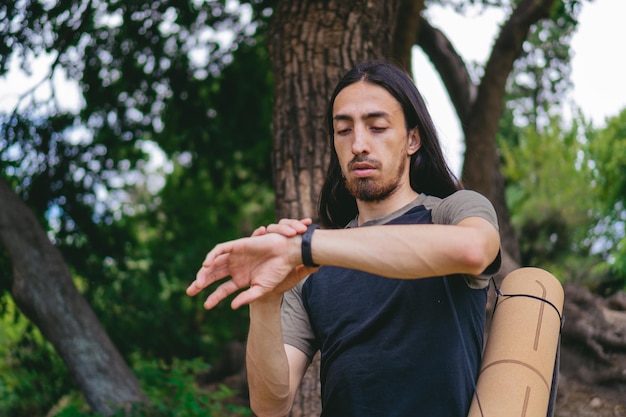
<point x="499" y="293"/>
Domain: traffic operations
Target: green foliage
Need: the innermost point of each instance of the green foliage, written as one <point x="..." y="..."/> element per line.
<point x="32" y="375"/>
<point x="566" y="193"/>
<point x="552" y="198"/>
<point x="131" y="60"/>
<point x="219" y="189"/>
<point x="134" y="270"/>
<point x="541" y="75"/>
<point x="553" y="203"/>
<point x="149" y="73"/>
<point x="608" y="149"/>
<point x="133" y="246"/>
<point x="172" y="391"/>
<point x="34" y="381"/>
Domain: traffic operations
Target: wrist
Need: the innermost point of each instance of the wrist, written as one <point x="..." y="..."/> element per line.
<point x="268" y="303"/>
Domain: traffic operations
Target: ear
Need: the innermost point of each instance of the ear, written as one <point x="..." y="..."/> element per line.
<point x="415" y="142"/>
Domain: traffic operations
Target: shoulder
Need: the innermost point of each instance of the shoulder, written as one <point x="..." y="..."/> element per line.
<point x="463" y="204"/>
<point x="466" y="198"/>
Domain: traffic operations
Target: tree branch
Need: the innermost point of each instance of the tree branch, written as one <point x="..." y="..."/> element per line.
<point x="481" y="126"/>
<point x="450" y="66"/>
<point x="406" y="32"/>
<point x="44" y="291"/>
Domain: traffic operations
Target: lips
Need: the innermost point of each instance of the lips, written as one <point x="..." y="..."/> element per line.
<point x="362" y="165"/>
<point x="361" y="168"/>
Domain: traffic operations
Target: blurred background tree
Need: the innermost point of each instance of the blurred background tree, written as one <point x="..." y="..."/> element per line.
<point x="148" y="73"/>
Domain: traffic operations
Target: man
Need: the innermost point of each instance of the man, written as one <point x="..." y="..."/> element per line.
<point x="397" y="307"/>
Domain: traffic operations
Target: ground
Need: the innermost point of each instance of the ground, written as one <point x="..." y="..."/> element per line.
<point x="577" y="400"/>
<point x="592" y="381"/>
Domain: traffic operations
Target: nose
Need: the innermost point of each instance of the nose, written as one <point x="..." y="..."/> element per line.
<point x="360" y="141"/>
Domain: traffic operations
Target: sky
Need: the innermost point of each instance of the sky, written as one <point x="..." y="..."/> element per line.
<point x="598" y="67"/>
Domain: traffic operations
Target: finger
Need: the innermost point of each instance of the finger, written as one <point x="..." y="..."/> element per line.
<point x="299" y="225"/>
<point x="207" y="275"/>
<point x="211" y="272"/>
<point x="199" y="283"/>
<point x="220" y="293"/>
<point x="193" y="289"/>
<point x="218" y="250"/>
<point x="259" y="231"/>
<point x="307" y="221"/>
<point x="282" y="229"/>
<point x="248" y="296"/>
<point x="289" y="227"/>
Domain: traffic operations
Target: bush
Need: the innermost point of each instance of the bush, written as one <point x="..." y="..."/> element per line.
<point x="172" y="391"/>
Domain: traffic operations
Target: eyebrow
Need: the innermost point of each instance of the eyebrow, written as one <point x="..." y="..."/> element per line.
<point x="371" y="115"/>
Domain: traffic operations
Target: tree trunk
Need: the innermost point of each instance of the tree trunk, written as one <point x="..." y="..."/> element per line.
<point x="44" y="291"/>
<point x="312" y="43"/>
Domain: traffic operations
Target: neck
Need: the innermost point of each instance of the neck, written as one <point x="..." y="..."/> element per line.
<point x="370" y="210"/>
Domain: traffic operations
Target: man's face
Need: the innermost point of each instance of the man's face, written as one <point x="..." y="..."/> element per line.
<point x="372" y="141"/>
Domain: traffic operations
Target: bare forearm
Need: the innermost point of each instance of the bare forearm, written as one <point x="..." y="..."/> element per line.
<point x="404" y="251"/>
<point x="266" y="360"/>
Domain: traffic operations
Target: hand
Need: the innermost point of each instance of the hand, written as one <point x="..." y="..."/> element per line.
<point x="264" y="263"/>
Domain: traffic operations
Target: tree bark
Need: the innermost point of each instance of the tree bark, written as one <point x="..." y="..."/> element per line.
<point x="44" y="291"/>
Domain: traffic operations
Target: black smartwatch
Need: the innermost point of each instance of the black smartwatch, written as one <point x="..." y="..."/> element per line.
<point x="307" y="256"/>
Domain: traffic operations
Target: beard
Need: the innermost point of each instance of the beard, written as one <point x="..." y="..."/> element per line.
<point x="371" y="190"/>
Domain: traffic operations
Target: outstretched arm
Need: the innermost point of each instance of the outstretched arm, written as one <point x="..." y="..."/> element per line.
<point x="410" y="251"/>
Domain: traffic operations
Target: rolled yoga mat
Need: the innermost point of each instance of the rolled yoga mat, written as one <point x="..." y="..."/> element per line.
<point x="519" y="360"/>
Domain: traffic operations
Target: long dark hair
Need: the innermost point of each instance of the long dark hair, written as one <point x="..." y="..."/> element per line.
<point x="429" y="172"/>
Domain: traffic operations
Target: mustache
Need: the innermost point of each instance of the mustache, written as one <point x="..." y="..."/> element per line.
<point x="359" y="159"/>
